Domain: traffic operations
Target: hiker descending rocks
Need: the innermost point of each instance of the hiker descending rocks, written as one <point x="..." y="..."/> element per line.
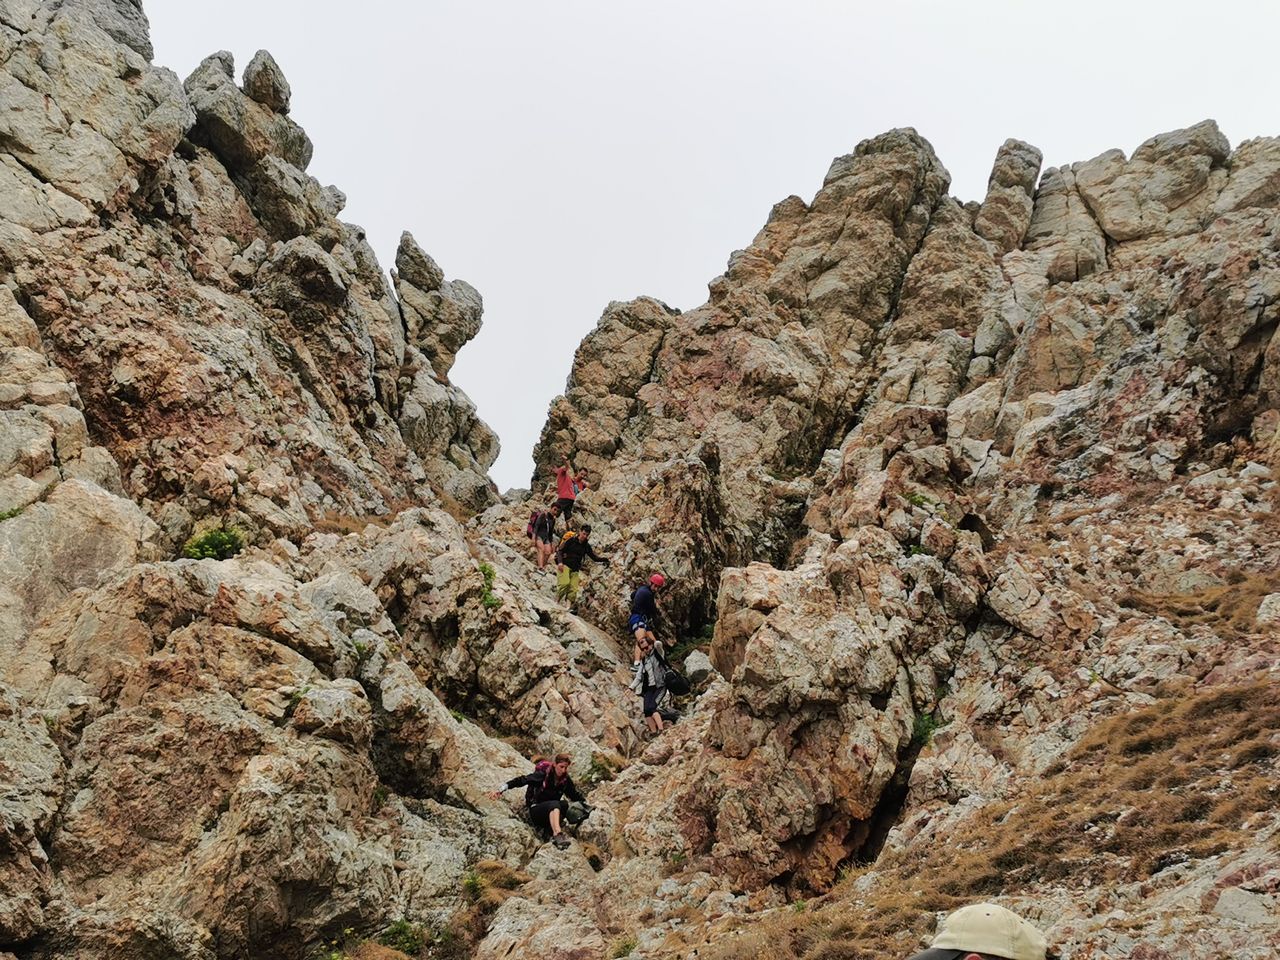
<point x="574" y="551"/>
<point x="985" y="931"/>
<point x="545" y="790"/>
<point x="644" y="612"/>
<point x="648" y="680"/>
<point x="568" y="487"/>
<point x="542" y="531"/>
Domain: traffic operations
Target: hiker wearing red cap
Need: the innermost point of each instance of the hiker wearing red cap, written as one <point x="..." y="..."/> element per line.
<point x="985" y="931"/>
<point x="644" y="612"/>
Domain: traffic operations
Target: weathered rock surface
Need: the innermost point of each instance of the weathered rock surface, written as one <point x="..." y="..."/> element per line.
<point x="966" y="510"/>
<point x="226" y="321"/>
<point x="1006" y="533"/>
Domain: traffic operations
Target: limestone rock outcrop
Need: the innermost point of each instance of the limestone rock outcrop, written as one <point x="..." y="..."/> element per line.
<point x="238" y="349"/>
<point x="1003" y="536"/>
<point x="968" y="513"/>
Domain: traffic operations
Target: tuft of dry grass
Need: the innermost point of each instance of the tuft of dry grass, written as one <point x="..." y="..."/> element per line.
<point x="452" y="506"/>
<point x="497" y="874"/>
<point x="1172" y="782"/>
<point x="1231" y="609"/>
<point x="487" y="886"/>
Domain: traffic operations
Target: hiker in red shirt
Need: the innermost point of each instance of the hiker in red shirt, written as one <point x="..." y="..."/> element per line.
<point x="568" y="486"/>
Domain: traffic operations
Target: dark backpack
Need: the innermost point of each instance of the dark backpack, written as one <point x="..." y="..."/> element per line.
<point x="677" y="683"/>
<point x="548" y="770"/>
<point x="533" y="522"/>
<point x="564" y="542"/>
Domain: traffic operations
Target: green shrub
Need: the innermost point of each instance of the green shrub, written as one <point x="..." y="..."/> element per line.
<point x="682" y="648"/>
<point x="338" y="947"/>
<point x="488" y="599"/>
<point x="216" y="543"/>
<point x="623" y="947"/>
<point x="10" y="514"/>
<point x="404" y="936"/>
<point x="473" y="885"/>
<point x="600" y="769"/>
<point x="923" y="728"/>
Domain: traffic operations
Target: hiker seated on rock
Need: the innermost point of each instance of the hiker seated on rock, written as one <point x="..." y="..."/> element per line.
<point x="542" y="529"/>
<point x="644" y="613"/>
<point x="568" y="486"/>
<point x="544" y="795"/>
<point x="650" y="670"/>
<point x="985" y="931"/>
<point x="574" y="551"/>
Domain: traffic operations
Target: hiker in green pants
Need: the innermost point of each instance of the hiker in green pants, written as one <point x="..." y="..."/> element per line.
<point x="574" y="551"/>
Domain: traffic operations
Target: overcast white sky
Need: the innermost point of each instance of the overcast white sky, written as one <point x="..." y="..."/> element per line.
<point x="559" y="154"/>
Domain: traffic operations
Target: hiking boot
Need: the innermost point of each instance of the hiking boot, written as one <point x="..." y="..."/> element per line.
<point x="560" y="841"/>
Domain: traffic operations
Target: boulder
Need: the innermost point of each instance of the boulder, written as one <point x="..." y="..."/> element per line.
<point x="264" y="82"/>
<point x="239" y="130"/>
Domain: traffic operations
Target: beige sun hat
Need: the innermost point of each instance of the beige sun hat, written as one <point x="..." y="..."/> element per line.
<point x="988" y="929"/>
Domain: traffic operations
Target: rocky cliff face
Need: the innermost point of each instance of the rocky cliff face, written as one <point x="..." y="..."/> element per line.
<point x="972" y="509"/>
<point x="1007" y="469"/>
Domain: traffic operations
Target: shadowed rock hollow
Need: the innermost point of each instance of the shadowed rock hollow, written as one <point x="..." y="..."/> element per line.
<point x="970" y="510"/>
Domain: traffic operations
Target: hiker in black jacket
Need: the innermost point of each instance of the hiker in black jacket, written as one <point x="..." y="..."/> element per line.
<point x="573" y="552"/>
<point x="547" y="787"/>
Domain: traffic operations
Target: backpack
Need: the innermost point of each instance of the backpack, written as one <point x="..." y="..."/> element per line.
<point x="577" y="813"/>
<point x="548" y="770"/>
<point x="673" y="679"/>
<point x="533" y="522"/>
<point x="569" y="535"/>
